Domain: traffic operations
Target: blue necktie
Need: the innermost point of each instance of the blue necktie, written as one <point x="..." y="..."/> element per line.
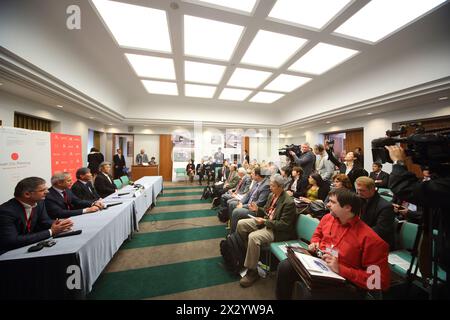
<point x="253" y="193"/>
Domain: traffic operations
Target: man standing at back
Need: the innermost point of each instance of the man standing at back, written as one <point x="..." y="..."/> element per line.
<point x="119" y="164"/>
<point x="24" y="219"/>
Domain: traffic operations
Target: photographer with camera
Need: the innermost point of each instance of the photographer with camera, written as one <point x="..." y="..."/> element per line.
<point x="306" y="160"/>
<point x="349" y="167"/>
<point x="433" y="194"/>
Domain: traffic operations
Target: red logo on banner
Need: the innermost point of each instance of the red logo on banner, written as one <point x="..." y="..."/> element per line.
<point x="14" y="156"/>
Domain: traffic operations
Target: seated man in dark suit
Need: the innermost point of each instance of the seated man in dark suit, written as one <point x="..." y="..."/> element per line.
<point x="380" y="177"/>
<point x="104" y="182"/>
<point x="83" y="187"/>
<point x="24" y="219"/>
<point x="376" y="212"/>
<point x="62" y="203"/>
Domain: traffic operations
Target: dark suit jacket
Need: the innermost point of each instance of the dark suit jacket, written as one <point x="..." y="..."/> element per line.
<point x="200" y="172"/>
<point x="283" y="223"/>
<point x="13" y="231"/>
<point x="384" y="176"/>
<point x="83" y="192"/>
<point x="379" y="215"/>
<point x="103" y="186"/>
<point x="301" y="187"/>
<point x="119" y="164"/>
<point x="94" y="160"/>
<point x="353" y="174"/>
<point x="56" y="207"/>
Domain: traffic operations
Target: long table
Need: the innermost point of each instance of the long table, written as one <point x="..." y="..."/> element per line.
<point x="69" y="269"/>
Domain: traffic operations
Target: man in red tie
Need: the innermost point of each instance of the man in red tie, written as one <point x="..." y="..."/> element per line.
<point x="24" y="219"/>
<point x="62" y="203"/>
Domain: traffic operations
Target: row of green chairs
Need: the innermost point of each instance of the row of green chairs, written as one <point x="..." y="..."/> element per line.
<point x="123" y="181"/>
<point x="386" y="194"/>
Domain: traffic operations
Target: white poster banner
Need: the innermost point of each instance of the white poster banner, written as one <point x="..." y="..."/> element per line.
<point x="23" y="153"/>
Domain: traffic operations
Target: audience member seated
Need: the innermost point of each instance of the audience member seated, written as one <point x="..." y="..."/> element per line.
<point x="62" y="203"/>
<point x="229" y="184"/>
<point x="103" y="183"/>
<point x="351" y="168"/>
<point x="95" y="157"/>
<point x="286" y="173"/>
<point x="83" y="187"/>
<point x="306" y="161"/>
<point x="200" y="170"/>
<point x="24" y="219"/>
<point x="258" y="194"/>
<point x="323" y="166"/>
<point x="274" y="222"/>
<point x="298" y="185"/>
<point x="350" y="247"/>
<point x="376" y="212"/>
<point x="141" y="157"/>
<point x="380" y="177"/>
<point x="359" y="158"/>
<point x="190" y="170"/>
<point x="242" y="187"/>
<point x="316" y="190"/>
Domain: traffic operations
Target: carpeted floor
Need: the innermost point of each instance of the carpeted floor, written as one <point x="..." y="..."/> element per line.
<point x="176" y="255"/>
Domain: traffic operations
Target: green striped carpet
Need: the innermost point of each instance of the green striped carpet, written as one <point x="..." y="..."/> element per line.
<point x="175" y="255"/>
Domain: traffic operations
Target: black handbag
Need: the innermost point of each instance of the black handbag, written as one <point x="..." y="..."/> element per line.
<point x="317" y="209"/>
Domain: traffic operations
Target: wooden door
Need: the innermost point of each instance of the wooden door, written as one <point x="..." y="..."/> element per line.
<point x="165" y="156"/>
<point x="354" y="139"/>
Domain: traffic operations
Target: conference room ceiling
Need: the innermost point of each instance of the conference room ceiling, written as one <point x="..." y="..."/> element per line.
<point x="247" y="50"/>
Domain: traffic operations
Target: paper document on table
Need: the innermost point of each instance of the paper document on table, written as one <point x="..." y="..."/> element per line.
<point x="294" y="245"/>
<point x="317" y="267"/>
<point x="401" y="263"/>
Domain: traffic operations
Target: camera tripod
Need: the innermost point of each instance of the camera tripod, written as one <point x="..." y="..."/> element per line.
<point x="431" y="244"/>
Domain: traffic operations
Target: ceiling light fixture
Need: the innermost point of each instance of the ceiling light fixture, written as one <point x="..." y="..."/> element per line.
<point x="59" y="106"/>
<point x="209" y="38"/>
<point x="322" y="58"/>
<point x="234" y="94"/>
<point x="442" y="98"/>
<point x="152" y="67"/>
<point x="380" y="18"/>
<point x="135" y="26"/>
<point x="160" y="87"/>
<point x="195" y="90"/>
<point x="369" y="113"/>
<point x="248" y="78"/>
<point x="266" y="97"/>
<point x="309" y="13"/>
<point x="203" y="72"/>
<point x="271" y="49"/>
<point x="287" y="83"/>
<point x="241" y="5"/>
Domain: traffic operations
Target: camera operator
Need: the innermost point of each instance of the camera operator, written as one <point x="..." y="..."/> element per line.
<point x="432" y="194"/>
<point x="306" y="160"/>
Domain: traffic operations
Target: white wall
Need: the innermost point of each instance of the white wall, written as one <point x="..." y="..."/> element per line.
<point x="375" y="126"/>
<point x="26" y="30"/>
<point x="62" y="122"/>
<point x="148" y="142"/>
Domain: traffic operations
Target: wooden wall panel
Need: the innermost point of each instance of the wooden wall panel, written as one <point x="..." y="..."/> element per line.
<point x="165" y="156"/>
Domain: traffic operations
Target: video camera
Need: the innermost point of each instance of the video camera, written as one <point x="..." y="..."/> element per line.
<point x="430" y="149"/>
<point x="286" y="151"/>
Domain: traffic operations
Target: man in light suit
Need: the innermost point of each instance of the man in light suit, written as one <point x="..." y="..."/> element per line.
<point x="83" y="187"/>
<point x="24" y="219"/>
<point x="141" y="157"/>
<point x="104" y="183"/>
<point x="62" y="203"/>
<point x="242" y="188"/>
